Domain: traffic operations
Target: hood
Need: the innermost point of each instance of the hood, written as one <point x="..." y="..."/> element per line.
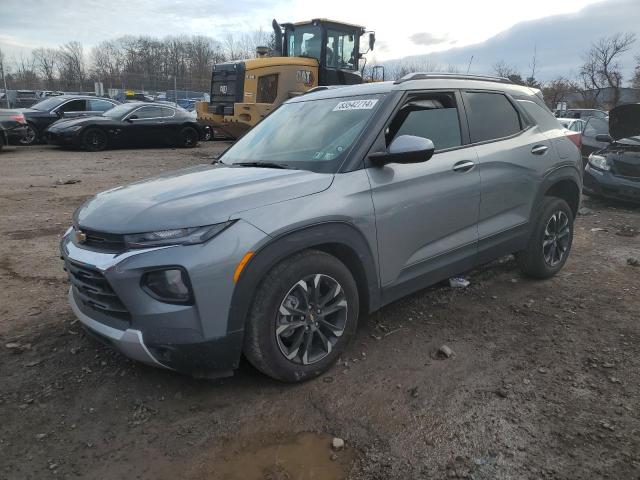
<point x="193" y="197"/>
<point x="624" y="121"/>
<point x="72" y="122"/>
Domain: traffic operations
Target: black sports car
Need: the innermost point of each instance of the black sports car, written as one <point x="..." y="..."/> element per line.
<point x="129" y="124"/>
<point x="614" y="171"/>
<point x="52" y="109"/>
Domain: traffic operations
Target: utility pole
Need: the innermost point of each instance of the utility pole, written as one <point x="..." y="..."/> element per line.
<point x="469" y="66"/>
<point x="4" y="80"/>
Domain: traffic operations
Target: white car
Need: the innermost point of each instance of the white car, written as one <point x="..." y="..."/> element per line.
<point x="573" y="124"/>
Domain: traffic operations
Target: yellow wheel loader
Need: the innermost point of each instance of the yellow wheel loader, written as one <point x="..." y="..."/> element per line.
<point x="306" y="55"/>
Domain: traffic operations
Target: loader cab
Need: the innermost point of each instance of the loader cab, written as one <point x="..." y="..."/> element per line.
<point x="336" y="47"/>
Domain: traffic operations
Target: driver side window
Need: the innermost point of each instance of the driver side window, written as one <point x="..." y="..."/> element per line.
<point x="432" y="116"/>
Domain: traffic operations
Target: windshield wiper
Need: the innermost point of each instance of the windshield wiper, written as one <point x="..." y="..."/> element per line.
<point x="262" y="164"/>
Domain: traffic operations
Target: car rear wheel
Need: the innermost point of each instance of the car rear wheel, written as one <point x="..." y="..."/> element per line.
<point x="550" y="241"/>
<point x="302" y="318"/>
<point x="188" y="137"/>
<point x="94" y="140"/>
<point x="31" y="136"/>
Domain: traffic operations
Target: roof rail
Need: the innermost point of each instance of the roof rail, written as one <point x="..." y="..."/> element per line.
<point x="457" y="76"/>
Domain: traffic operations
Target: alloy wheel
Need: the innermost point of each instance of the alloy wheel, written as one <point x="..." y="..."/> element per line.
<point x="96" y="140"/>
<point x="311" y="318"/>
<point x="556" y="238"/>
<point x="29" y="137"/>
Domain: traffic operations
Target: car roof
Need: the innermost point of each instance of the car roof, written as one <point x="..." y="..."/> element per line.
<point x="418" y="81"/>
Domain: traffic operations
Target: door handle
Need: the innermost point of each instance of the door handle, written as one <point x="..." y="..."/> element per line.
<point x="463" y="166"/>
<point x="539" y="149"/>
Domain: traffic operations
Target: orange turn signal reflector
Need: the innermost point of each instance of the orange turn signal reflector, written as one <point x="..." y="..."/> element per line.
<point x="241" y="265"/>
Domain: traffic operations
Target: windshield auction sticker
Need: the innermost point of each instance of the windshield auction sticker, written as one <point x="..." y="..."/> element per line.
<point x="356" y="105"/>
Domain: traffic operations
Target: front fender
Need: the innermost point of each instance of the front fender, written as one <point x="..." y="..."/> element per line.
<point x="330" y="236"/>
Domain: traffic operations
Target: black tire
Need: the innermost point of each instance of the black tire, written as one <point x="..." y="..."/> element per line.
<point x="265" y="348"/>
<point x="95" y="140"/>
<point x="188" y="137"/>
<point x="31" y="137"/>
<point x="550" y="242"/>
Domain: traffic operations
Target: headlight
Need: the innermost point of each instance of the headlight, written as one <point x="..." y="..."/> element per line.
<point x="599" y="162"/>
<point x="170" y="285"/>
<point x="179" y="236"/>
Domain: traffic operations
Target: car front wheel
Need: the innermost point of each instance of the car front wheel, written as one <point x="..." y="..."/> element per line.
<point x="302" y="318"/>
<point x="550" y="241"/>
<point x="94" y="140"/>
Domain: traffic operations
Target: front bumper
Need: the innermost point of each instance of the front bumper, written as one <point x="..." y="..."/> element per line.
<point x="605" y="184"/>
<point x="62" y="138"/>
<point x="198" y="339"/>
<point x="129" y="341"/>
<point x="17" y="133"/>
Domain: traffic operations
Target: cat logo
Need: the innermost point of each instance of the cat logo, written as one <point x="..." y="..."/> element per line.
<point x="304" y="76"/>
<point x="81" y="237"/>
<point x="223" y="89"/>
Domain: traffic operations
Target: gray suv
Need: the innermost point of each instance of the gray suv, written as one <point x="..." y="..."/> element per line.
<point x="339" y="202"/>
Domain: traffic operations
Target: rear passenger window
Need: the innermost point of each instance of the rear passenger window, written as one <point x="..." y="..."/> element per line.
<point x="431" y="116"/>
<point x="542" y="116"/>
<point x="490" y="116"/>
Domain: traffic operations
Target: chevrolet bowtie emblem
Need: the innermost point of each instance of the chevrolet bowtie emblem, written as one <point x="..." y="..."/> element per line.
<point x="81" y="237"/>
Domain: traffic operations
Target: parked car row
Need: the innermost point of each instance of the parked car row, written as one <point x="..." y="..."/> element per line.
<point x="97" y="123"/>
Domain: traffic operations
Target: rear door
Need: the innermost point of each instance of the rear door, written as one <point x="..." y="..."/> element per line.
<point x="513" y="154"/>
<point x="426" y="213"/>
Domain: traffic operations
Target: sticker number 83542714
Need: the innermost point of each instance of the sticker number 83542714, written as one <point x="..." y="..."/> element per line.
<point x="356" y="105"/>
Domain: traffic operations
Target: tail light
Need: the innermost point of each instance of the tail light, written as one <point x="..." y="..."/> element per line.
<point x="575" y="137"/>
<point x="19" y="117"/>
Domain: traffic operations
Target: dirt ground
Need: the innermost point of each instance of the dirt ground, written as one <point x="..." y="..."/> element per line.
<point x="544" y="381"/>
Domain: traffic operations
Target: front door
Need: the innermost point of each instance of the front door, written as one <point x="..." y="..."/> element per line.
<point x="427" y="213"/>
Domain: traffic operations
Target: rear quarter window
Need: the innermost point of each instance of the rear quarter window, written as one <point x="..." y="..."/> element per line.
<point x="542" y="117"/>
<point x="491" y="116"/>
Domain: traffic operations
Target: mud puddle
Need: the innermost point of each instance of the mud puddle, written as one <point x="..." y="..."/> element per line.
<point x="302" y="456"/>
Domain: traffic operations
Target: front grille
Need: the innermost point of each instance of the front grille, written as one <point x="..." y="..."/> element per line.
<point x="94" y="291"/>
<point x="105" y="242"/>
<point x="623" y="169"/>
<point x="227" y="87"/>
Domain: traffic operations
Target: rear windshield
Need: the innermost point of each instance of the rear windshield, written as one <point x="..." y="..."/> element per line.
<point x="314" y="135"/>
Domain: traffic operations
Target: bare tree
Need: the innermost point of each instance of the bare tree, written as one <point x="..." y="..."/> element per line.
<point x="635" y="81"/>
<point x="558" y="90"/>
<point x="72" y="65"/>
<point x="46" y="63"/>
<point x="25" y="73"/>
<point x="504" y="70"/>
<point x="601" y="68"/>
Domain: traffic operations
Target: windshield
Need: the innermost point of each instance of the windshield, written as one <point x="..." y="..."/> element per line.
<point x="314" y="135"/>
<point x="304" y="42"/>
<point x="120" y="111"/>
<point x="48" y="104"/>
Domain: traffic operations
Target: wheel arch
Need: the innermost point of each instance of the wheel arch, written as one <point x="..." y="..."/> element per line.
<point x="339" y="239"/>
<point x="564" y="183"/>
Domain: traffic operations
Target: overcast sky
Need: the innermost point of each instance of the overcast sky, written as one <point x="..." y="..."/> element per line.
<point x="403" y="27"/>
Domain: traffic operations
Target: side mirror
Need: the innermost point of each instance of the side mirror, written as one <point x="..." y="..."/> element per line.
<point x="132" y="117"/>
<point x="372" y="40"/>
<point x="58" y="113"/>
<point x="604" y="138"/>
<point x="405" y="149"/>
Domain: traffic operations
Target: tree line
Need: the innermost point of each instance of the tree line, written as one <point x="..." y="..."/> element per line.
<point x="600" y="70"/>
<point x="131" y="62"/>
<point x="154" y="64"/>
